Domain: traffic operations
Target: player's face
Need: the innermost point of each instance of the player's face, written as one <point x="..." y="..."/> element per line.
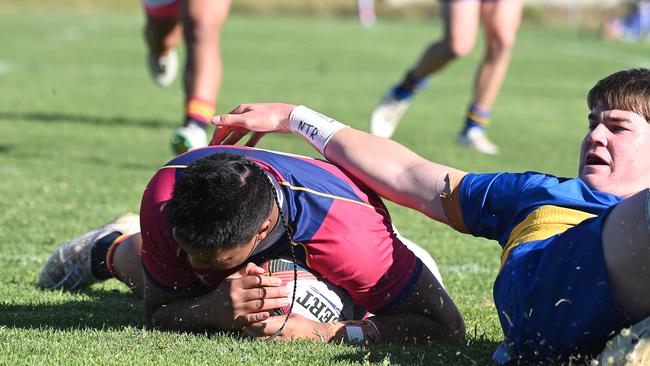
<point x="217" y="259"/>
<point x="615" y="154"/>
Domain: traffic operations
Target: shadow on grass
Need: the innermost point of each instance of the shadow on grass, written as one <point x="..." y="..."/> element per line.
<point x="477" y="352"/>
<point x="112" y="310"/>
<point x="104" y="310"/>
<point x="57" y="117"/>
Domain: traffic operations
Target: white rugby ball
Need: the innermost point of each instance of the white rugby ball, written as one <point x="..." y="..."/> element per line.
<point x="315" y="298"/>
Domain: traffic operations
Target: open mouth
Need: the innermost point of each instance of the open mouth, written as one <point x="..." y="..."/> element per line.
<point x="593" y="159"/>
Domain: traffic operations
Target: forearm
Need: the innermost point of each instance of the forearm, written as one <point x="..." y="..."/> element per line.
<point x="385" y="166"/>
<point x="190" y="314"/>
<point x="396" y="328"/>
<point x="393" y="171"/>
<point x="427" y="314"/>
<point x="411" y="328"/>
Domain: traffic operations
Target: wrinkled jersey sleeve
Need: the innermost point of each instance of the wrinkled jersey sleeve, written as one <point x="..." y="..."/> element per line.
<point x="492" y="203"/>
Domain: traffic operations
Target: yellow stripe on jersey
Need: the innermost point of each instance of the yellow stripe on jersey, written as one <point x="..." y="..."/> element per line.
<point x="173" y="167"/>
<point x="304" y="189"/>
<point x="542" y="223"/>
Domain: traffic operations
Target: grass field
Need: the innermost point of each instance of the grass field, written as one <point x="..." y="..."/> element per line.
<point x="82" y="129"/>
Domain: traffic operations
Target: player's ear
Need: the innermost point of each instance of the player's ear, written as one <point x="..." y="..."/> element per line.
<point x="264" y="229"/>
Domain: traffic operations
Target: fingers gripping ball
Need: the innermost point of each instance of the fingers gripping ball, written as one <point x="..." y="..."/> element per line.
<point x="315" y="299"/>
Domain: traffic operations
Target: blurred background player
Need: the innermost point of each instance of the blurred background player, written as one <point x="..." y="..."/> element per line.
<point x="366" y="12"/>
<point x="461" y="18"/>
<point x="198" y="23"/>
<point x="635" y="25"/>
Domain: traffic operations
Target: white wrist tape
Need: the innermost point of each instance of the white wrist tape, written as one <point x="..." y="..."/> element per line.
<point x="316" y="128"/>
<point x="355" y="333"/>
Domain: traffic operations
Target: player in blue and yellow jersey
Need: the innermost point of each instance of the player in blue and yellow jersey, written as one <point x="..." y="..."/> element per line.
<point x="574" y="267"/>
<point x="211" y="216"/>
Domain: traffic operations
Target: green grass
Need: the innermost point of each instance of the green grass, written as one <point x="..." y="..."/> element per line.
<point x="82" y="129"/>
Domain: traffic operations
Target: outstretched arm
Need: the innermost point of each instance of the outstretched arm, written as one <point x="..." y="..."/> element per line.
<point x="399" y="174"/>
<point x="390" y="169"/>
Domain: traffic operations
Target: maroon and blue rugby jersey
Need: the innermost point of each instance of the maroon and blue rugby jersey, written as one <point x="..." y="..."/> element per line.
<point x="343" y="228"/>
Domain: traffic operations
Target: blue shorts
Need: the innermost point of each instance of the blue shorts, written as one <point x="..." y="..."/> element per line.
<point x="553" y="297"/>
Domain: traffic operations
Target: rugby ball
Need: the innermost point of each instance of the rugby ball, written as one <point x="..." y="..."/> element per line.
<point x="315" y="298"/>
<point x="631" y="347"/>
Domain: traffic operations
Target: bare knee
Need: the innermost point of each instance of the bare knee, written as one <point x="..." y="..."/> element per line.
<point x="500" y="45"/>
<point x="201" y="29"/>
<point x="205" y="22"/>
<point x="459" y="48"/>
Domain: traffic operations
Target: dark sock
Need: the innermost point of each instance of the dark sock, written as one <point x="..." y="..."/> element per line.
<point x="405" y="89"/>
<point x="98" y="255"/>
<point x="194" y="121"/>
<point x="409" y="83"/>
<point x="408" y="86"/>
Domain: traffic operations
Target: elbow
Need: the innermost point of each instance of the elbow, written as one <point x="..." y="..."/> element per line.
<point x="454" y="326"/>
<point x="456" y="329"/>
<point x="161" y="321"/>
<point x="451" y="328"/>
<point x="155" y="316"/>
<point x="150" y="317"/>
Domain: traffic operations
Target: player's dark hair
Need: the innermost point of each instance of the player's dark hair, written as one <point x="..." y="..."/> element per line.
<point x="627" y="90"/>
<point x="220" y="201"/>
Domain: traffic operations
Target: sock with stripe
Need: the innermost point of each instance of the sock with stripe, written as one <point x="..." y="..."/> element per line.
<point x="476" y="118"/>
<point x="198" y="112"/>
<point x="101" y="252"/>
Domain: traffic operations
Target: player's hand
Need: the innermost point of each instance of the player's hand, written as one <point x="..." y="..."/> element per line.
<point x="247" y="296"/>
<point x="259" y="118"/>
<point x="298" y="327"/>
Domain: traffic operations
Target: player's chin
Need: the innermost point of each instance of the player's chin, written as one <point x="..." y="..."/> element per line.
<point x="595" y="176"/>
<point x="605" y="183"/>
<point x="595" y="170"/>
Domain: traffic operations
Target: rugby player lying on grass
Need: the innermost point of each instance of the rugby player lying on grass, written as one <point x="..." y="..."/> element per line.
<point x="575" y="267"/>
<point x="210" y="215"/>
